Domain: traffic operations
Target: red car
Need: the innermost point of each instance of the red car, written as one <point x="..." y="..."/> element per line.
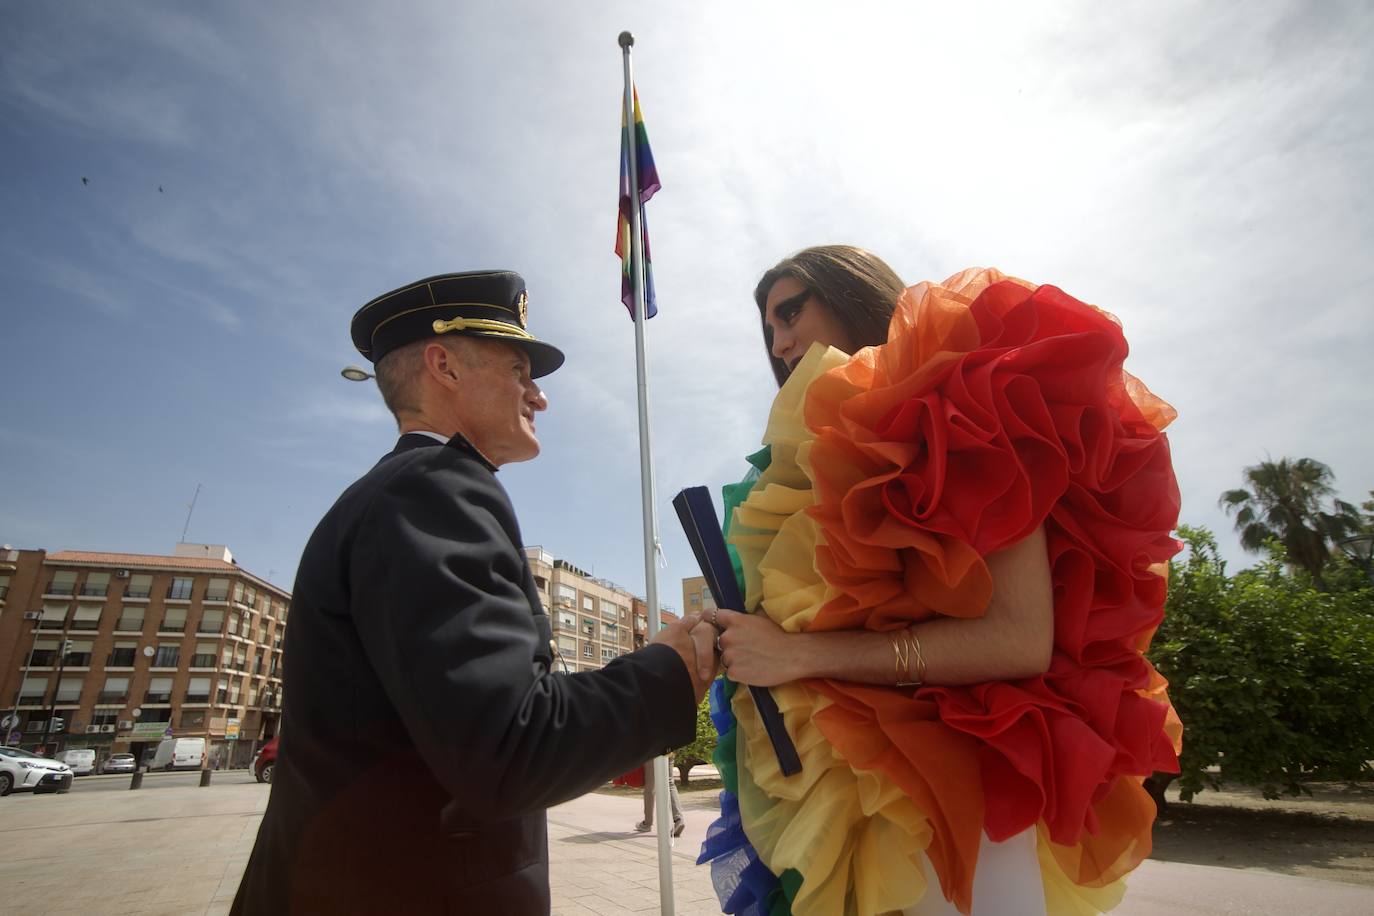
<point x="265" y="761"/>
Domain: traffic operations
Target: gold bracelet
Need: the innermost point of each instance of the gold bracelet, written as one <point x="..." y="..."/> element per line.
<point x="920" y="656"/>
<point x="904" y="675"/>
<point x="902" y="660"/>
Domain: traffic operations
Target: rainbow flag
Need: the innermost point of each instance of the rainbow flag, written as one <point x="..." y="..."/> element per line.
<point x="648" y="185"/>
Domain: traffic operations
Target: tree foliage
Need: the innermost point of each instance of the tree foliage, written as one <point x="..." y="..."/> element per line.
<point x="700" y="750"/>
<point x="1285" y="501"/>
<point x="1273" y="678"/>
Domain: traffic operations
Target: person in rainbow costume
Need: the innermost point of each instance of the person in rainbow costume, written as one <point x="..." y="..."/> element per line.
<point x="955" y="541"/>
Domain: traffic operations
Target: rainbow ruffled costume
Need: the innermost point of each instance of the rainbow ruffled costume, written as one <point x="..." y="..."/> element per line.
<point x="995" y="407"/>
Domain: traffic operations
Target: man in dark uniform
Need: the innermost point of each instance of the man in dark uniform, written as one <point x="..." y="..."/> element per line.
<point x="424" y="733"/>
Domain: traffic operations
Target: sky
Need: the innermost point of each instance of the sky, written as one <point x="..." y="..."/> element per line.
<point x="255" y="172"/>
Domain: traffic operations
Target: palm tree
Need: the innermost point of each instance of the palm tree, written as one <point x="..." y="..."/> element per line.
<point x="1284" y="503"/>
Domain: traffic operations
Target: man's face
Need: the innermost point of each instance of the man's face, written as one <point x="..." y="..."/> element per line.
<point x="499" y="401"/>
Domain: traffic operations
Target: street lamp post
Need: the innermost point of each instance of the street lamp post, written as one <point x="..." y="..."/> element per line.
<point x="35" y="616"/>
<point x="356" y="374"/>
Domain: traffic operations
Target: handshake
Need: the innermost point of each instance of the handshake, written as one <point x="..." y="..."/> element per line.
<point x="694" y="640"/>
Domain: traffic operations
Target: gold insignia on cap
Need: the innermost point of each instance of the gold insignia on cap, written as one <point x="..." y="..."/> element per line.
<point x="521" y="307"/>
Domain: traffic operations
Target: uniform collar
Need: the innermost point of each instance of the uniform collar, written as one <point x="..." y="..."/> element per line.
<point x="421" y="438"/>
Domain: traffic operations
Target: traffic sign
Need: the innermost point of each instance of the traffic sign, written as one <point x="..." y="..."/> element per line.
<point x="10" y="721"/>
<point x="168" y="732"/>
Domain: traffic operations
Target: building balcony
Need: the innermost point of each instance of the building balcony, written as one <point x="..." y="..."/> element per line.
<point x="59" y="591"/>
<point x="88" y="625"/>
<point x="129" y="625"/>
<point x="89" y="592"/>
<point x="106" y="698"/>
<point x="200" y="699"/>
<point x="31" y="699"/>
<point x="52" y="623"/>
<point x="171" y="629"/>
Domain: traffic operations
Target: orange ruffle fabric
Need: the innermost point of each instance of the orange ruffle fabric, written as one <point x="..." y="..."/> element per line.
<point x="997" y="407"/>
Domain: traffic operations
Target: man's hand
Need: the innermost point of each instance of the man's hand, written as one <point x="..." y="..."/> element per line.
<point x="694" y="641"/>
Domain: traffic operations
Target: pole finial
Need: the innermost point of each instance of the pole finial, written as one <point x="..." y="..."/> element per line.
<point x="626" y="39"/>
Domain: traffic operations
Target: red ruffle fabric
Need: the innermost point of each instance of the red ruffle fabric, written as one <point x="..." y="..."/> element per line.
<point x="977" y="423"/>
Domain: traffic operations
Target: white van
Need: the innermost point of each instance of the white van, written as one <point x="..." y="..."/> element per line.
<point x="81" y="760"/>
<point x="179" y="754"/>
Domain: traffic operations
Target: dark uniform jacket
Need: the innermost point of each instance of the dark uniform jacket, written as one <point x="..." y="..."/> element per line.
<point x="423" y="734"/>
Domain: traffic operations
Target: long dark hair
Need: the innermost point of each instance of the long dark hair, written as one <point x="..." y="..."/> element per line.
<point x="855" y="284"/>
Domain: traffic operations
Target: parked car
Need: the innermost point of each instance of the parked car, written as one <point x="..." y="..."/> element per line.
<point x="81" y="760"/>
<point x="119" y="763"/>
<point x="179" y="754"/>
<point x="20" y="769"/>
<point x="265" y="761"/>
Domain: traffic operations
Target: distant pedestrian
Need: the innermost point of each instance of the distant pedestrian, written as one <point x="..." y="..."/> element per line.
<point x="679" y="824"/>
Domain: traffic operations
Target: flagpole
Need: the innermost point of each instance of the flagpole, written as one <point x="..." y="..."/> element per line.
<point x="662" y="811"/>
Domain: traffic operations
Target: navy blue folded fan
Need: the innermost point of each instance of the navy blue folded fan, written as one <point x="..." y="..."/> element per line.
<point x="698" y="516"/>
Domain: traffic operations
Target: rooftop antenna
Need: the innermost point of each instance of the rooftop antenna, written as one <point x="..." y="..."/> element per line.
<point x="189" y="509"/>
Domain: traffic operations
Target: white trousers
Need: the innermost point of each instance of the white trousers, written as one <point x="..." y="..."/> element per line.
<point x="1005" y="883"/>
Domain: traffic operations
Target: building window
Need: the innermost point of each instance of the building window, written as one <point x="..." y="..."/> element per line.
<point x="180" y="589"/>
<point x="116" y="690"/>
<point x="567" y="621"/>
<point x="158" y="714"/>
<point x="105" y="719"/>
<point x="222" y="692"/>
<point x="130" y="620"/>
<point x="140" y="586"/>
<point x="122" y="655"/>
<point x="198" y="690"/>
<point x="173" y="620"/>
<point x="159" y="690"/>
<point x="167" y="657"/>
<point x="565" y="595"/>
<point x="54" y="616"/>
<point x="587" y="603"/>
<point x="217" y="590"/>
<point x="193" y="718"/>
<point x="44" y="653"/>
<point x="4" y="587"/>
<point x="212" y="621"/>
<point x="567" y="645"/>
<point x="587" y="651"/>
<point x="87" y="617"/>
<point x="33" y="691"/>
<point x="607" y="653"/>
<point x="97" y="584"/>
<point x="63" y="582"/>
<point x="204" y="657"/>
<point x="79" y="655"/>
<point x="589" y="627"/>
<point x="68" y="690"/>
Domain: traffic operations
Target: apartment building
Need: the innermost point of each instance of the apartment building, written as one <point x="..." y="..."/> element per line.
<point x="696" y="596"/>
<point x="116" y="651"/>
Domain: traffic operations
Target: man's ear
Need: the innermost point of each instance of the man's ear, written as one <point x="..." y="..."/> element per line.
<point x="440" y="363"/>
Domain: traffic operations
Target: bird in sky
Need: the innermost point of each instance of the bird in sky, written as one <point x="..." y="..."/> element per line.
<point x="85" y="180"/>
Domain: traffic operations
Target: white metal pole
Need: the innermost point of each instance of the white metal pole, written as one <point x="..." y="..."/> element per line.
<point x="662" y="812"/>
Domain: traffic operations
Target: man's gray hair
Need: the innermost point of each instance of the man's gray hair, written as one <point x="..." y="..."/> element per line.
<point x="399" y="371"/>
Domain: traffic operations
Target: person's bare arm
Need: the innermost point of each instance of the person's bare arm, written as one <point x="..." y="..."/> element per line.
<point x="1013" y="639"/>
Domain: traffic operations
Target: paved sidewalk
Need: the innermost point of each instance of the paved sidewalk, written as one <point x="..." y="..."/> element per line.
<point x="176" y="850"/>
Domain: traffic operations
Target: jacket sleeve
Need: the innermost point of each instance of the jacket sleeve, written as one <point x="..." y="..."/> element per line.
<point x="435" y="574"/>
